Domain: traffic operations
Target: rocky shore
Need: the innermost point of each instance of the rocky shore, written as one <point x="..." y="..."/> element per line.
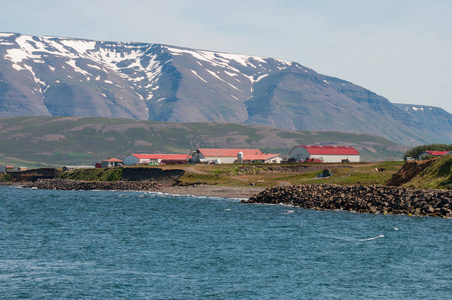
<point x="362" y="199"/>
<point x="64" y="184"/>
<point x="194" y="190"/>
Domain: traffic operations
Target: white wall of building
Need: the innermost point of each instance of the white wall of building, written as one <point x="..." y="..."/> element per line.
<point x="300" y="153"/>
<point x="200" y="158"/>
<point x="336" y="158"/>
<point x="212" y="159"/>
<point x="277" y="159"/>
<point x="274" y="160"/>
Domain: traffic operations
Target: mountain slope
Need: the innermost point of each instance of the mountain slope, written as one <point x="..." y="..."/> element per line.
<point x="52" y="76"/>
<point x="39" y="141"/>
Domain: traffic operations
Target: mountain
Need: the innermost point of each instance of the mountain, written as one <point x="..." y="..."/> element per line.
<point x="52" y="76"/>
<point x="54" y="141"/>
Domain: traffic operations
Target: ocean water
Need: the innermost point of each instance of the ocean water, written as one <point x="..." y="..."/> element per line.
<point x="138" y="245"/>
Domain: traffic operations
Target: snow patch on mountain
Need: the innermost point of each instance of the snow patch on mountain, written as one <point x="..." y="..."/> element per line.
<point x="197" y="75"/>
<point x="219" y="78"/>
<point x="79" y="45"/>
<point x="260" y="77"/>
<point x="36" y="79"/>
<point x="73" y="64"/>
<point x="6" y="35"/>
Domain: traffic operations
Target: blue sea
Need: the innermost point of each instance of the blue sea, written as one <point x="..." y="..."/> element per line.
<point x="139" y="245"/>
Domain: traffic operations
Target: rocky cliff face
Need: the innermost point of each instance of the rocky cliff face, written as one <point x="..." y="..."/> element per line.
<point x="75" y="77"/>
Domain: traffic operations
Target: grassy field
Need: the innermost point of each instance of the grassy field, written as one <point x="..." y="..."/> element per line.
<point x="261" y="175"/>
<point x="436" y="176"/>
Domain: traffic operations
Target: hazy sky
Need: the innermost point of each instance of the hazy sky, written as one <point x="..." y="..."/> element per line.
<point x="400" y="49"/>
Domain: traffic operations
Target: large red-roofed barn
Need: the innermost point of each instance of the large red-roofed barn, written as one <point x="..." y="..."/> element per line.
<point x="328" y="154"/>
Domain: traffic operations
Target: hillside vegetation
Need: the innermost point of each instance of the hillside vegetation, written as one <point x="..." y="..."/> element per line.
<point x="437" y="175"/>
<point x="243" y="175"/>
<point x="58" y="141"/>
<point x="416" y="151"/>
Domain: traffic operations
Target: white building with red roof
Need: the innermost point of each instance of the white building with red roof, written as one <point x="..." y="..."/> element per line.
<point x="224" y="156"/>
<point x="230" y="156"/>
<point x="111" y="162"/>
<point x="156" y="159"/>
<point x="433" y="153"/>
<point x="328" y="154"/>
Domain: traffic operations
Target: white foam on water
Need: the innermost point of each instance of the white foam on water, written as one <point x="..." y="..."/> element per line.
<point x="373" y="238"/>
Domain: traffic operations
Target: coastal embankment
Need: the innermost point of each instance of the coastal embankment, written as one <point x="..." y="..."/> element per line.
<point x="145" y="185"/>
<point x="362" y="199"/>
<point x="65" y="184"/>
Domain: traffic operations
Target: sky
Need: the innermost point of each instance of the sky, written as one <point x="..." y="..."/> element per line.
<point x="399" y="49"/>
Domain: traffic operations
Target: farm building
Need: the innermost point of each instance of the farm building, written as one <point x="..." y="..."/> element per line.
<point x="328" y="154"/>
<point x="111" y="163"/>
<point x="230" y="156"/>
<point x="156" y="159"/>
<point x="265" y="158"/>
<point x="224" y="156"/>
<point x="433" y="153"/>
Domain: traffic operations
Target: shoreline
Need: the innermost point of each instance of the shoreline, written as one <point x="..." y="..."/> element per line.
<point x="241" y="193"/>
<point x="214" y="191"/>
<point x="361" y="199"/>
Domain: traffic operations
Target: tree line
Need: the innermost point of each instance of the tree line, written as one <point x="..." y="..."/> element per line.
<point x="416" y="151"/>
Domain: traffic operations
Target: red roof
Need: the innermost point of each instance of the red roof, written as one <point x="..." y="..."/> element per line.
<point x="113" y="159"/>
<point x="228" y="152"/>
<point x="162" y="156"/>
<point x="330" y="150"/>
<point x="259" y="156"/>
<point x="437" y="153"/>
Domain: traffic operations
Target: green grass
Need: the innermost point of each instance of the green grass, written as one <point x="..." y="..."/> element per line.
<point x="97" y="174"/>
<point x="436" y="176"/>
<point x="346" y="174"/>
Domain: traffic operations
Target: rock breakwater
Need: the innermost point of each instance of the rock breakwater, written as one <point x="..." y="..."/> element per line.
<point x="65" y="184"/>
<point x="362" y="199"/>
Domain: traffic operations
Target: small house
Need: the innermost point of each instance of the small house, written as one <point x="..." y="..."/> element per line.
<point x="265" y="158"/>
<point x="111" y="163"/>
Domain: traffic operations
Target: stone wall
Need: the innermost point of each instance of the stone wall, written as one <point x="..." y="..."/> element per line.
<point x="63" y="184"/>
<point x="363" y="199"/>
